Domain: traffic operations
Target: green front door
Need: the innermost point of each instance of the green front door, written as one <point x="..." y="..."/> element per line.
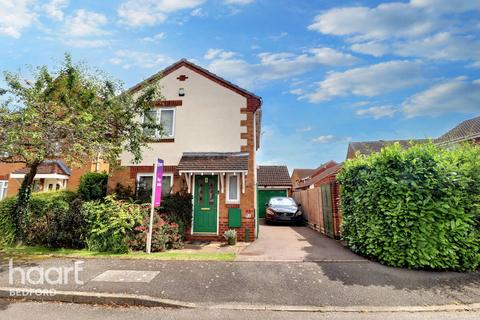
<point x="205" y="204"/>
<point x="264" y="196"/>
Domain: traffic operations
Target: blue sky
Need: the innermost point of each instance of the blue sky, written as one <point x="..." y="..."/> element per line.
<point x="329" y="72"/>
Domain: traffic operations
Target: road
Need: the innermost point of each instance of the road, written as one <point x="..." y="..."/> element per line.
<point x="58" y="311"/>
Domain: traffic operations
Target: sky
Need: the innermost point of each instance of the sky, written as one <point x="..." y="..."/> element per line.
<point x="329" y="72"/>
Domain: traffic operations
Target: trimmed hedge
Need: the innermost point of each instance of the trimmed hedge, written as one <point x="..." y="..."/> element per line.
<point x="7" y="225"/>
<point x="93" y="186"/>
<point x="415" y="208"/>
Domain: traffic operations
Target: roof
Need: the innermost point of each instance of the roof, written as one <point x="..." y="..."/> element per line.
<point x="273" y="176"/>
<point x="303" y="173"/>
<point x="213" y="161"/>
<point x="333" y="170"/>
<point x="368" y="147"/>
<point x="468" y="129"/>
<point x="255" y="102"/>
<point x="48" y="167"/>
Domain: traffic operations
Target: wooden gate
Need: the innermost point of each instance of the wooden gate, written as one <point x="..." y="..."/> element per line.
<point x="327" y="209"/>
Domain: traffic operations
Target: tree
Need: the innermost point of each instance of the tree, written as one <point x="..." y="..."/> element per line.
<point x="71" y="114"/>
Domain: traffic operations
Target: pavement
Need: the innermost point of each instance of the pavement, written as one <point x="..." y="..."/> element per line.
<point x="295" y="243"/>
<point x="48" y="311"/>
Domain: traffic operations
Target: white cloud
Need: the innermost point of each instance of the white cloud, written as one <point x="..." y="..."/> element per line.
<point x="137" y="13"/>
<point x="378" y="112"/>
<point x="198" y="12"/>
<point x="324" y="139"/>
<point x="447" y="5"/>
<point x="87" y="43"/>
<point x="305" y="129"/>
<point x="368" y="81"/>
<point x="238" y="1"/>
<point x="297" y="91"/>
<point x="272" y="66"/>
<point x="154" y="38"/>
<point x="373" y="48"/>
<point x="457" y="95"/>
<point x="85" y="23"/>
<point x="131" y="58"/>
<point x="54" y="9"/>
<point x="384" y="21"/>
<point x="218" y="53"/>
<point x="15" y="15"/>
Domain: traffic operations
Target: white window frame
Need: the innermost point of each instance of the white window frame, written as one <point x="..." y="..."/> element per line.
<point x="158" y="120"/>
<point x="3" y="189"/>
<point x="150" y="174"/>
<point x="227" y="189"/>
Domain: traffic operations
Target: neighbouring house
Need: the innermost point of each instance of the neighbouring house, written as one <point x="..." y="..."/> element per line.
<point x="272" y="181"/>
<point x="320" y="199"/>
<point x="300" y="175"/>
<point x="212" y="133"/>
<point x="369" y="147"/>
<point x="51" y="175"/>
<point x="468" y="130"/>
<point x="306" y="182"/>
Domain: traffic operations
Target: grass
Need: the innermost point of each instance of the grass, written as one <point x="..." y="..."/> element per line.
<point x="27" y="252"/>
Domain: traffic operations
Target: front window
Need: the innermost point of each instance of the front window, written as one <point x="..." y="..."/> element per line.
<point x="163" y="116"/>
<point x="145" y="184"/>
<point x="3" y="188"/>
<point x="233" y="188"/>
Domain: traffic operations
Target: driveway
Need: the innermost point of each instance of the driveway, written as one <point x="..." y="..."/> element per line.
<point x="295" y="243"/>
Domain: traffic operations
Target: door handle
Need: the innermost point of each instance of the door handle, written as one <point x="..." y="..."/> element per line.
<point x="205" y="209"/>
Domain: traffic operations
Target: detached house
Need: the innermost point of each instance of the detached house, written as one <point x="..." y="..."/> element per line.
<point x="211" y="136"/>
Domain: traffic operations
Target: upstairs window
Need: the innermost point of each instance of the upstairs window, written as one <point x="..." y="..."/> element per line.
<point x="163" y="116"/>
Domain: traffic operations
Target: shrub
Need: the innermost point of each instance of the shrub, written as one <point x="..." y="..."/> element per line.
<point x="416" y="208"/>
<point x="177" y="208"/>
<point x="7" y="225"/>
<point x="111" y="224"/>
<point x="93" y="186"/>
<point x="54" y="219"/>
<point x="124" y="193"/>
<point x="165" y="234"/>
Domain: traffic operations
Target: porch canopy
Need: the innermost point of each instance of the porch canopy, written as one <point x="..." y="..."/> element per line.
<point x="48" y="169"/>
<point x="214" y="163"/>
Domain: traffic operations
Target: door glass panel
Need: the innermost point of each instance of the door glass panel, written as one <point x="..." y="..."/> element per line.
<point x="211" y="200"/>
<point x="200" y="192"/>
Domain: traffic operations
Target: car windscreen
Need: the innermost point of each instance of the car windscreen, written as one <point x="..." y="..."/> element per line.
<point x="283" y="201"/>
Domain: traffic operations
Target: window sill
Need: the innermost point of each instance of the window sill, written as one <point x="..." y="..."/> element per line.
<point x="164" y="140"/>
<point x="232" y="202"/>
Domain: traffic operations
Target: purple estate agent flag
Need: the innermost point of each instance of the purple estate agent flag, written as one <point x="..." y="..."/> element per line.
<point x="157" y="193"/>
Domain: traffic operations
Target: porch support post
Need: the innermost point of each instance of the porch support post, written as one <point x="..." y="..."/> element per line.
<point x="187" y="178"/>
<point x="243" y="182"/>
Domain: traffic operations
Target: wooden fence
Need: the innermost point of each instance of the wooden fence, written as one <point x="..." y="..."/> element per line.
<point x="320" y="207"/>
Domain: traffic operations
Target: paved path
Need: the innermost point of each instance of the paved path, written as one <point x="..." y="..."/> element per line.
<point x="294" y="243"/>
<point x="48" y="311"/>
<point x="272" y="283"/>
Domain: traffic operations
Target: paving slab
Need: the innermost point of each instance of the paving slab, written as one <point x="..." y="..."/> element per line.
<point x="126" y="276"/>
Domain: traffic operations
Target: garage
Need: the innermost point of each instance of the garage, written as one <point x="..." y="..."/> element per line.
<point x="272" y="181"/>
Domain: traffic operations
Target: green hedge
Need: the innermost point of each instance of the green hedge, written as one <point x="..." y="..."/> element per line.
<point x="415" y="208"/>
<point x="93" y="186"/>
<point x="7" y="225"/>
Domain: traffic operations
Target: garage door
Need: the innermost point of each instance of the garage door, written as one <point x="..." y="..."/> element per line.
<point x="264" y="196"/>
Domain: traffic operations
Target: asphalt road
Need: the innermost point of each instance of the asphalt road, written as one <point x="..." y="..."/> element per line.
<point x="276" y="283"/>
<point x="57" y="311"/>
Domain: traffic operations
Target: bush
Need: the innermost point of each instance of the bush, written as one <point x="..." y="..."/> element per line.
<point x="415" y="208"/>
<point x="111" y="224"/>
<point x="93" y="186"/>
<point x="54" y="219"/>
<point x="7" y="225"/>
<point x="165" y="234"/>
<point x="177" y="208"/>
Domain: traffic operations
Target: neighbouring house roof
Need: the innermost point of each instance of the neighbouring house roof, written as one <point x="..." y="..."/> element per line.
<point x="48" y="167"/>
<point x="273" y="176"/>
<point x="368" y="147"/>
<point x="213" y="161"/>
<point x="303" y="173"/>
<point x="467" y="130"/>
<point x="185" y="63"/>
<point x="333" y="170"/>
